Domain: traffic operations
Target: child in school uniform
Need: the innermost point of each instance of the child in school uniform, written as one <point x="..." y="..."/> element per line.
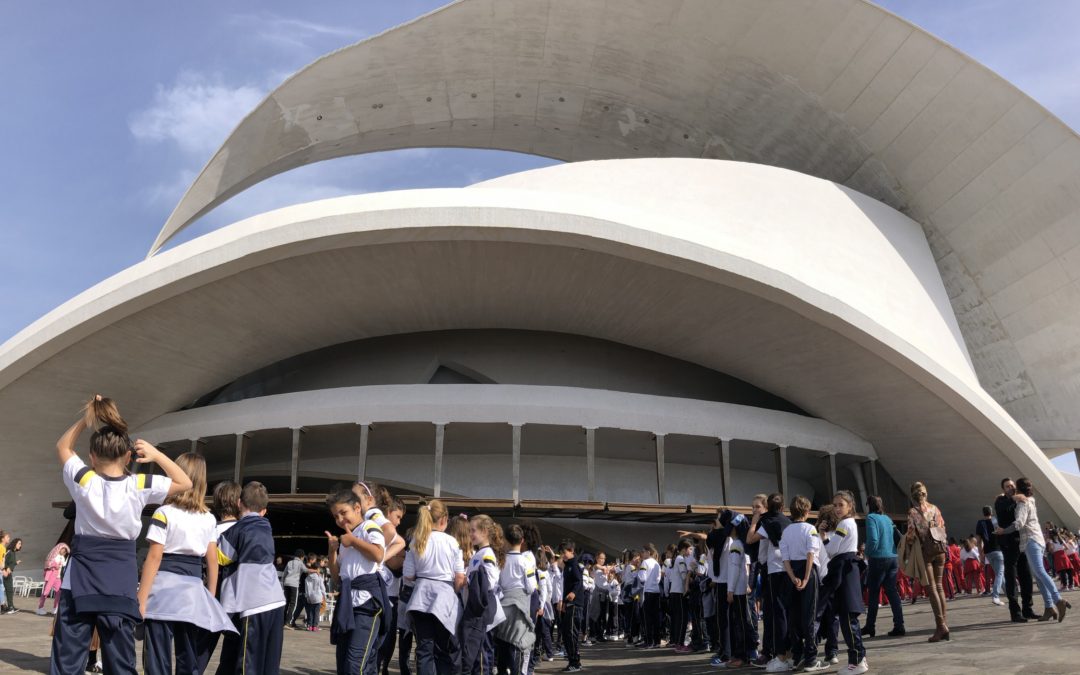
<point x="515" y="636"/>
<point x="844" y="583"/>
<point x="180" y="613"/>
<point x="651" y="577"/>
<point x="391" y="573"/>
<point x="314" y="596"/>
<point x="482" y="610"/>
<point x="677" y="578"/>
<point x="250" y="591"/>
<point x="766" y="527"/>
<point x="800" y="548"/>
<point x="542" y="647"/>
<point x="99" y="586"/>
<point x="359" y="621"/>
<point x="572" y="605"/>
<point x="743" y="633"/>
<point x="437" y="570"/>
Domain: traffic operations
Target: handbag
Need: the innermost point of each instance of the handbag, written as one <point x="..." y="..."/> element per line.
<point x="938" y="539"/>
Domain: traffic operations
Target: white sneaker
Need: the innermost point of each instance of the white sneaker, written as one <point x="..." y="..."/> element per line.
<point x="998" y="602"/>
<point x="834" y="660"/>
<point x="816" y="666"/>
<point x="40" y="611"/>
<point x="778" y="665"/>
<point x="858" y="669"/>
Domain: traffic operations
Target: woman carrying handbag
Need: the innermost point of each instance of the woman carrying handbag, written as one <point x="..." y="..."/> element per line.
<point x="927" y="527"/>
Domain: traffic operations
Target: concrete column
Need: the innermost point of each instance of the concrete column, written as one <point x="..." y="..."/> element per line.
<point x="1076" y="451"/>
<point x="830" y="474"/>
<point x="242" y="442"/>
<point x="294" y="466"/>
<point x="440" y="434"/>
<point x="725" y="471"/>
<point x="590" y="461"/>
<point x="361" y="466"/>
<point x="873" y="477"/>
<point x="197" y="446"/>
<point x="516" y="463"/>
<point x="659" y="468"/>
<point x="860" y="482"/>
<point x="780" y="455"/>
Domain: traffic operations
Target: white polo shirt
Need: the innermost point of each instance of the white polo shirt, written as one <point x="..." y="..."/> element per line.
<point x="183" y="532"/>
<point x="798" y="540"/>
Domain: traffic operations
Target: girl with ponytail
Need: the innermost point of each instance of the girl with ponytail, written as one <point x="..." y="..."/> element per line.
<point x="438" y="569"/>
<point x="99" y="588"/>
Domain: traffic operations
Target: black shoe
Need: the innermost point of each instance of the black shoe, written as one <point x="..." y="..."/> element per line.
<point x="1018" y="618"/>
<point x="867" y="631"/>
<point x="1028" y="614"/>
<point x="898" y="632"/>
<point x="571" y="669"/>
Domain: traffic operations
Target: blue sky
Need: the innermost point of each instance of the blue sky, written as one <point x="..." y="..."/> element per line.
<point x="112" y="108"/>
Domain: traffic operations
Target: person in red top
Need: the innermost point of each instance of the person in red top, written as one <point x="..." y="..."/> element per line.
<point x="953" y="570"/>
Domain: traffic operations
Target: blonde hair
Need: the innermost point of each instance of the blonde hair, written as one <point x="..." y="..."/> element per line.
<point x="458" y="528"/>
<point x="426" y="517"/>
<point x="192" y="500"/>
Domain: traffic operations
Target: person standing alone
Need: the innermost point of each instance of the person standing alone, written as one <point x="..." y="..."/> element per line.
<point x="294" y="604"/>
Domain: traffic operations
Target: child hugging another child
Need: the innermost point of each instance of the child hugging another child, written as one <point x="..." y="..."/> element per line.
<point x="99" y="589"/>
<point x="250" y="591"/>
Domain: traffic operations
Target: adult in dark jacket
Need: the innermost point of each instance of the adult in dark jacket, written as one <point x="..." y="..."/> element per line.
<point x="1016" y="566"/>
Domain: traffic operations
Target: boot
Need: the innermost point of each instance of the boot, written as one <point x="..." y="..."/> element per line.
<point x="940" y="632"/>
<point x="1050" y="613"/>
<point x="1062" y="605"/>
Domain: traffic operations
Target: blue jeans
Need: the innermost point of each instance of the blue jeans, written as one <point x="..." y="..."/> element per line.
<point x="882" y="572"/>
<point x="997" y="561"/>
<point x="1047" y="588"/>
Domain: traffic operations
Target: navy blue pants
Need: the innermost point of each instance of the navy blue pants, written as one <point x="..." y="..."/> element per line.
<point x="744" y="636"/>
<point x="257" y="648"/>
<point x="571" y="619"/>
<point x="358" y="652"/>
<point x="774" y="641"/>
<point x="723" y="635"/>
<point x="386" y="650"/>
<point x="477" y="650"/>
<point x="803" y="613"/>
<point x="190" y="643"/>
<point x="437" y="651"/>
<point x="71" y="641"/>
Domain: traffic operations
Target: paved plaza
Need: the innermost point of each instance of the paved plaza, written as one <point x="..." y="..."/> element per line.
<point x="983" y="642"/>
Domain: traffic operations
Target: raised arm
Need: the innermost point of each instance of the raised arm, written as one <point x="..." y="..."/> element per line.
<point x="65" y="447"/>
<point x="148" y="453"/>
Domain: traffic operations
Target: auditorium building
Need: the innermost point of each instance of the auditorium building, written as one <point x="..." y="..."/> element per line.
<point x="797" y="246"/>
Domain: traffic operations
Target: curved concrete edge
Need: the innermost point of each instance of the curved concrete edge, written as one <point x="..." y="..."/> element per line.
<point x="514" y="404"/>
<point x="332" y="223"/>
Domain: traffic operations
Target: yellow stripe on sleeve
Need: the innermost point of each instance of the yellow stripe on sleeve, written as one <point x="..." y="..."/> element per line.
<point x="87" y="477"/>
<point x="158" y="515"/>
<point x="223" y="559"/>
<point x="140" y="481"/>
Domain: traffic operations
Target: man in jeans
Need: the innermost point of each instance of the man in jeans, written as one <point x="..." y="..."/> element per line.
<point x="1015" y="561"/>
<point x="990" y="551"/>
<point x="881" y="555"/>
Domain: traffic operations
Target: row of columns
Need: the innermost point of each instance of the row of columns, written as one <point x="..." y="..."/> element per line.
<point x="780" y="455"/>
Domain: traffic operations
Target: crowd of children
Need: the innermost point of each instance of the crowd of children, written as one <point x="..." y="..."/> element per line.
<point x="454" y="594"/>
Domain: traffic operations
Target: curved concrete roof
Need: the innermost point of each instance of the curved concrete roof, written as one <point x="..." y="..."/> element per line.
<point x="842" y="90"/>
<point x="608" y="263"/>
<point x="514" y="404"/>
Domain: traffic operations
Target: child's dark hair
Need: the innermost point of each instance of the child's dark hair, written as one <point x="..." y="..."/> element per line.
<point x="254" y="496"/>
<point x="567" y="545"/>
<point x="226" y="494"/>
<point x="342" y="497"/>
<point x="684" y="544"/>
<point x="515" y="535"/>
<point x="533" y="541"/>
<point x="775" y="502"/>
<point x="110" y="440"/>
<point x="382" y="497"/>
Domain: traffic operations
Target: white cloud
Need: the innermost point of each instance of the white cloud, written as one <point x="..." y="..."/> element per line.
<point x="295" y="33"/>
<point x="197" y="112"/>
